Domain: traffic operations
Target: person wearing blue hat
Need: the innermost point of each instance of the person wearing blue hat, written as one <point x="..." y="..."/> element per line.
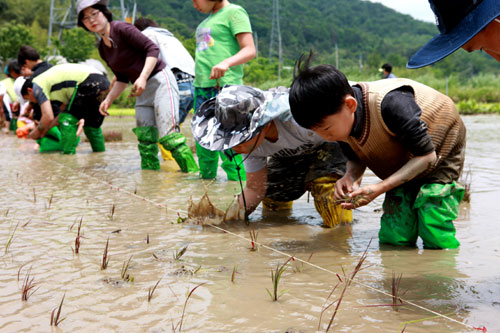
<point x="469" y="24"/>
<point x="282" y="159"/>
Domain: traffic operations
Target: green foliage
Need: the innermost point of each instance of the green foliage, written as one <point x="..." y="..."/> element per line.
<point x="12" y="37"/>
<point x="124" y="101"/>
<point x="471" y="106"/>
<point x="76" y="45"/>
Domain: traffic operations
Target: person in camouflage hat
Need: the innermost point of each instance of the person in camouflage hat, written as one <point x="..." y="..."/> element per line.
<point x="282" y="159"/>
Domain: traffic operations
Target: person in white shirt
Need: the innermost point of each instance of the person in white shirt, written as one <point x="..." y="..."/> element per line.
<point x="282" y="159"/>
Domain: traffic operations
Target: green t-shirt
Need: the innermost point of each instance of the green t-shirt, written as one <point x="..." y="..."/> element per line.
<point x="58" y="82"/>
<point x="216" y="41"/>
<point x="9" y="84"/>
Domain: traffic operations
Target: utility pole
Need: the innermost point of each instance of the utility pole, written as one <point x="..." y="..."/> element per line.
<point x="62" y="17"/>
<point x="275" y="30"/>
<point x="256" y="39"/>
<point x="336" y="56"/>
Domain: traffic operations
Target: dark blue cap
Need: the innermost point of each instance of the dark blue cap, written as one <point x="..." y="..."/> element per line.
<point x="458" y="21"/>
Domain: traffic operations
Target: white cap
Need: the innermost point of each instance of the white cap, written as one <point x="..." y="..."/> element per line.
<point x="18" y="84"/>
<point x="82" y="4"/>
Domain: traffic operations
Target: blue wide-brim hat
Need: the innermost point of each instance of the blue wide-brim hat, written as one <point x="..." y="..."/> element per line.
<point x="458" y="22"/>
<point x="237" y="114"/>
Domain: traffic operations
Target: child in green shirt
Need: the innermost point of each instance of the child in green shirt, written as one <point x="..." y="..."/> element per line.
<point x="223" y="43"/>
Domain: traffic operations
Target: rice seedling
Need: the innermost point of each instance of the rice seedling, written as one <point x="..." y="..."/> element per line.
<point x="179" y="324"/>
<point x="105" y="257"/>
<point x="466" y="180"/>
<point x="396" y="281"/>
<point x="7" y="212"/>
<point x="78" y="236"/>
<point x="74" y="222"/>
<point x="110" y="136"/>
<point x="112" y="212"/>
<point x="354" y="201"/>
<point x="276" y="278"/>
<point x="298" y="266"/>
<point x="179" y="253"/>
<point x="181" y="219"/>
<point x="347" y="283"/>
<point x="125" y="276"/>
<point x="34" y="195"/>
<point x="235" y="271"/>
<point x="326" y="307"/>
<point x="27" y="222"/>
<point x="147" y="239"/>
<point x="28" y="284"/>
<point x="253" y="236"/>
<point x="54" y="317"/>
<point x="50" y="200"/>
<point x="11" y="238"/>
<point x="152" y="291"/>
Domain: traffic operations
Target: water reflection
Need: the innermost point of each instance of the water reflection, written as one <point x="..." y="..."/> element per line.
<point x="462" y="283"/>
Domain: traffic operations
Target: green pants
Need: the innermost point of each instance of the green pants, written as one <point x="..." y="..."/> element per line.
<point x="209" y="162"/>
<point x="429" y="214"/>
<point x="51" y="142"/>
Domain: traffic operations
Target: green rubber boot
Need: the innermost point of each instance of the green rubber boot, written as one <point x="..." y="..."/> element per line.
<point x="209" y="162"/>
<point x="233" y="167"/>
<point x="148" y="148"/>
<point x="13" y="125"/>
<point x="399" y="223"/>
<point x="51" y="142"/>
<point x="438" y="206"/>
<point x="68" y="126"/>
<point x="176" y="144"/>
<point x="95" y="137"/>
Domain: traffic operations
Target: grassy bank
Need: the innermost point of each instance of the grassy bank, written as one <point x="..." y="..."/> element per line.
<point x="120" y="112"/>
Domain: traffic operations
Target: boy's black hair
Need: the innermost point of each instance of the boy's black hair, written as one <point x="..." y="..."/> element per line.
<point x="103" y="9"/>
<point x="27" y="52"/>
<point x="27" y="84"/>
<point x="143" y="23"/>
<point x="13" y="66"/>
<point x="316" y="92"/>
<point x="387" y="67"/>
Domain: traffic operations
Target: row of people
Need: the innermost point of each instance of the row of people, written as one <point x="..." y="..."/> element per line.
<point x="410" y="135"/>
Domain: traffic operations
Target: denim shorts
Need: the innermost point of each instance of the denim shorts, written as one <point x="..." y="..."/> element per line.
<point x="186" y="98"/>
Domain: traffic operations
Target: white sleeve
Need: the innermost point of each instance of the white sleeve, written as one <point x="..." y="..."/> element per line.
<point x="254" y="163"/>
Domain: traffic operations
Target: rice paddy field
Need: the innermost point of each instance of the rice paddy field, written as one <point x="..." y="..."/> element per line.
<point x="108" y="241"/>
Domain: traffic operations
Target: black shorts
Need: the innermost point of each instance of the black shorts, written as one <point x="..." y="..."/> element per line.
<point x="288" y="177"/>
<point x="88" y="98"/>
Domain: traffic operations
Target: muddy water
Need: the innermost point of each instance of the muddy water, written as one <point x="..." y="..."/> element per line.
<point x="460" y="284"/>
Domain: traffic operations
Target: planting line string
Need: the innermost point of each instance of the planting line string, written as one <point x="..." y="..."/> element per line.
<point x="332" y="272"/>
<point x="117" y="188"/>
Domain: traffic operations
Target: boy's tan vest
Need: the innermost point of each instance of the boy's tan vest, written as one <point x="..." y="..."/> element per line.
<point x="379" y="148"/>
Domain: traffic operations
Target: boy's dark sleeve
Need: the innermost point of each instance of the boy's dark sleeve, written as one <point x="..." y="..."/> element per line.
<point x="348" y="152"/>
<point x="401" y="114"/>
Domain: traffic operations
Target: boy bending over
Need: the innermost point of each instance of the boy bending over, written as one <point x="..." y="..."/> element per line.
<point x="408" y="134"/>
<point x="282" y="159"/>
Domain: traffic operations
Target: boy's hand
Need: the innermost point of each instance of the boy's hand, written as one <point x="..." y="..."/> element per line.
<point x="218" y="71"/>
<point x="361" y="197"/>
<point x="343" y="187"/>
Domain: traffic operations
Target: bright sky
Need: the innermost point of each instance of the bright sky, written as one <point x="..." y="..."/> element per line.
<point x="419" y="9"/>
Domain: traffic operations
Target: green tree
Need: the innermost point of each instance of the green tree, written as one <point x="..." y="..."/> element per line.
<point x="12" y="37"/>
<point x="76" y="45"/>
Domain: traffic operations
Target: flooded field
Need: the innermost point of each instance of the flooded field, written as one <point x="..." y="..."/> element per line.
<point x="44" y="197"/>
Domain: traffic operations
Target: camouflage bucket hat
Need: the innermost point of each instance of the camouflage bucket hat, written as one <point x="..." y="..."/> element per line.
<point x="237" y="114"/>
